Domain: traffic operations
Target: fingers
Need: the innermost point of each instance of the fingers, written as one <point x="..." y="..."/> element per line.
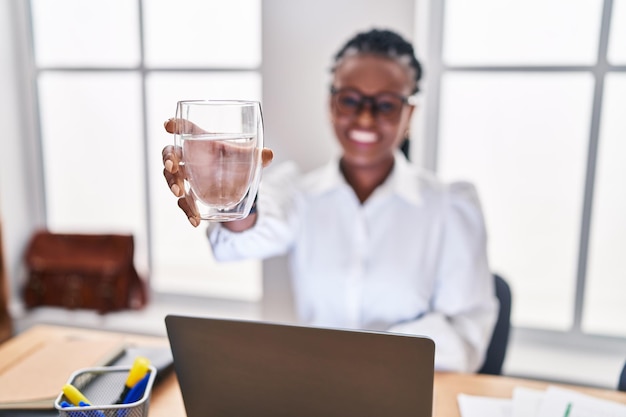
<point x="188" y="205"/>
<point x="180" y="126"/>
<point x="174" y="182"/>
<point x="172" y="156"/>
<point x="174" y="175"/>
<point x="173" y="172"/>
<point x="266" y="156"/>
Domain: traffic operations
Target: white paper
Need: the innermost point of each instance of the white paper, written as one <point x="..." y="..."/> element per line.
<point x="477" y="406"/>
<point x="557" y="400"/>
<point x="526" y="401"/>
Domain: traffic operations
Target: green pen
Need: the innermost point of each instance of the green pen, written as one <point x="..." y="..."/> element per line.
<point x="567" y="410"/>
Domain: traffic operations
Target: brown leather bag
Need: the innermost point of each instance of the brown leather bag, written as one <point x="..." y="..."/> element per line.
<point x="83" y="271"/>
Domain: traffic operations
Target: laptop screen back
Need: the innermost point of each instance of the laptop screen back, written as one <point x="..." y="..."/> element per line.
<point x="247" y="368"/>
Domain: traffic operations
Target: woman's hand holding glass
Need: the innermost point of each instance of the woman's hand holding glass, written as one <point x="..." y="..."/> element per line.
<point x="210" y="177"/>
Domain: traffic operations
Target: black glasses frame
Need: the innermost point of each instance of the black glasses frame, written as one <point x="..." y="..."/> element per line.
<point x="372" y="100"/>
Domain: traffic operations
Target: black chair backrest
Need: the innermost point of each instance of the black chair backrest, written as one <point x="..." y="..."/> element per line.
<point x="621" y="385"/>
<point x="500" y="338"/>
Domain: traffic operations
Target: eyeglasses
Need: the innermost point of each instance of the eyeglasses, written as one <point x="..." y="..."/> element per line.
<point x="384" y="106"/>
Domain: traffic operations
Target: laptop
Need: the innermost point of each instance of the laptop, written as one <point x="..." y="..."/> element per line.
<point x="249" y="368"/>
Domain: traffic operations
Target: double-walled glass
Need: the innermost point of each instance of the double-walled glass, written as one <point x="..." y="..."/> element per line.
<point x="220" y="144"/>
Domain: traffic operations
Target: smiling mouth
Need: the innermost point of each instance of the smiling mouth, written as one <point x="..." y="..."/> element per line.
<point x="362" y="136"/>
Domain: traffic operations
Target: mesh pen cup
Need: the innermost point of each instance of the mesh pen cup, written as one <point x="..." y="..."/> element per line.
<point x="102" y="387"/>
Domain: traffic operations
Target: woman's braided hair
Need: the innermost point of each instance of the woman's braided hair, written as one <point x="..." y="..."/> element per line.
<point x="386" y="43"/>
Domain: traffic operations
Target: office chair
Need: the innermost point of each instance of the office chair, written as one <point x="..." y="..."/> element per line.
<point x="500" y="338"/>
<point x="621" y="385"/>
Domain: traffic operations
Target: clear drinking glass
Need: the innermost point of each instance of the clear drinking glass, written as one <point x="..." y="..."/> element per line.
<point x="221" y="143"/>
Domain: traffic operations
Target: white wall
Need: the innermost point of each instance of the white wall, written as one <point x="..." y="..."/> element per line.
<point x="21" y="209"/>
<point x="299" y="40"/>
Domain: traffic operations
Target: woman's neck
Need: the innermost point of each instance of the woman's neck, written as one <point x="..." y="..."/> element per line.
<point x="365" y="179"/>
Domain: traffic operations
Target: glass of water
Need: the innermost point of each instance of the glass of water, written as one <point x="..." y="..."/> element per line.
<point x="220" y="143"/>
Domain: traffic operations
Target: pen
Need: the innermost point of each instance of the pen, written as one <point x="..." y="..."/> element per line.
<point x="140" y="368"/>
<point x="65" y="404"/>
<point x="137" y="391"/>
<point x="567" y="410"/>
<point x="74" y="395"/>
<point x="77" y="399"/>
<point x="134" y="394"/>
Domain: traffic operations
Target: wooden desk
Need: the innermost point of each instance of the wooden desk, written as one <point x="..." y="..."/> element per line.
<point x="166" y="400"/>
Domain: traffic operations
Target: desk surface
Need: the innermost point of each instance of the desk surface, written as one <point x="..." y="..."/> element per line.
<point x="167" y="401"/>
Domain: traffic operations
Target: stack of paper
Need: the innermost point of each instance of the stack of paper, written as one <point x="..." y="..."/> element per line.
<point x="553" y="402"/>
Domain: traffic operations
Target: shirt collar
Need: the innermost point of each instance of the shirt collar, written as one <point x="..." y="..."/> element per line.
<point x="403" y="180"/>
<point x="329" y="178"/>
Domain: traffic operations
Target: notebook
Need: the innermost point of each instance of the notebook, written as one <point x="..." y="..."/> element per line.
<point x="251" y="368"/>
<point x="31" y="379"/>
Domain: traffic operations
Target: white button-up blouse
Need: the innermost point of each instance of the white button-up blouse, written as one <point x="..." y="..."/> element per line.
<point x="411" y="259"/>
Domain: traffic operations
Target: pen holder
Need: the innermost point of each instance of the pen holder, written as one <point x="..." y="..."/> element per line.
<point x="102" y="387"/>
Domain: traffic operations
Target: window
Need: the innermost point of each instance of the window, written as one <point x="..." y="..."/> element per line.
<point x="108" y="75"/>
<point x="531" y="110"/>
<point x="505" y="132"/>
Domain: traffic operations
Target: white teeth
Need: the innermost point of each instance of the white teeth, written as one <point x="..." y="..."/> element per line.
<point x="362" y="136"/>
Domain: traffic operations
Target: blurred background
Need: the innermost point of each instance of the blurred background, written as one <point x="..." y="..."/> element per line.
<point x="521" y="97"/>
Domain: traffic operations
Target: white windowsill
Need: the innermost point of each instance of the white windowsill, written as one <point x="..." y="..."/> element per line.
<point x="148" y="321"/>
